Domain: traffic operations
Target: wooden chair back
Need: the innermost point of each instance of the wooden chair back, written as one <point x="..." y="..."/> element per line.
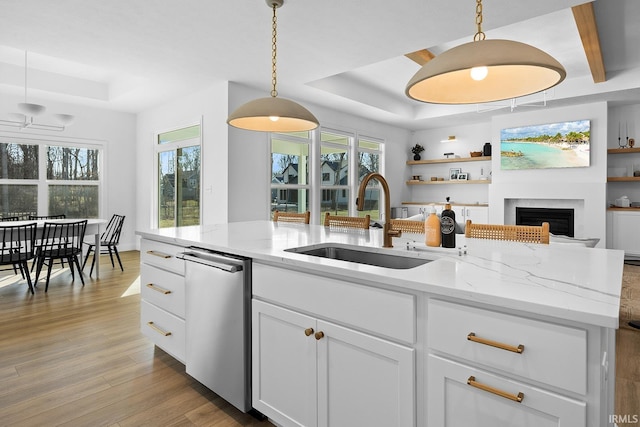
<point x="514" y="233"/>
<point x="302" y="218"/>
<point x="337" y="221"/>
<point x="407" y="226"/>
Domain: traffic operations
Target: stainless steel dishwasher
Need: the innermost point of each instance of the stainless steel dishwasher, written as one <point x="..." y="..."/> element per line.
<point x="218" y="319"/>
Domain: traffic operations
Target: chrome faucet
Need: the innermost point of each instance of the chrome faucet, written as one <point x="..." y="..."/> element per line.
<point x="388" y="233"/>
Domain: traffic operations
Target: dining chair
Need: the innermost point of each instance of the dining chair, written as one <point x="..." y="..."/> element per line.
<point x="45" y="217"/>
<point x="514" y="233"/>
<point x="60" y="241"/>
<point x="108" y="242"/>
<point x="407" y="226"/>
<point x="17" y="247"/>
<point x="337" y="221"/>
<point x="302" y="218"/>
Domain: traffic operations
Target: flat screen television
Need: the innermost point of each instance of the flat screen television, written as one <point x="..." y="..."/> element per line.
<point x="553" y="145"/>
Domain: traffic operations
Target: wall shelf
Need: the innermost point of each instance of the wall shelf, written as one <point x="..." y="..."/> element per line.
<point x="623" y="178"/>
<point x="451" y="160"/>
<point x="470" y="181"/>
<point x="623" y="150"/>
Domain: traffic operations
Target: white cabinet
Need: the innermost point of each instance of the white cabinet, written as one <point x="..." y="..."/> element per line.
<point x="624" y="231"/>
<point x="492" y="368"/>
<point x="461" y="395"/>
<point x="162" y="289"/>
<point x="309" y="370"/>
<point x="477" y="214"/>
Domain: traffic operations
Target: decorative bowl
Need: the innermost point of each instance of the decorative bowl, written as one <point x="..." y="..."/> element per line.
<point x="476" y="153"/>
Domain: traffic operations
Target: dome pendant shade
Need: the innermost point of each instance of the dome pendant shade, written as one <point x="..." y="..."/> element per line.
<point x="514" y="69"/>
<point x="273" y="114"/>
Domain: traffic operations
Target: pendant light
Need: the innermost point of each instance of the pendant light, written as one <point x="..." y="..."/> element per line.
<point x="485" y="71"/>
<point x="273" y="114"/>
<point x="28" y="110"/>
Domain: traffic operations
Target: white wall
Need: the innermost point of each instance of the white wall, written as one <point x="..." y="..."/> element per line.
<point x="117" y="131"/>
<point x="588" y="184"/>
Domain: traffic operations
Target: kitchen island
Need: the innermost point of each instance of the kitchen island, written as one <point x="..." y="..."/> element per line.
<point x="490" y="332"/>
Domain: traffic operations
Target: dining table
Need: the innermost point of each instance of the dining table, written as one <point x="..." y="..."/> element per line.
<point x="94" y="228"/>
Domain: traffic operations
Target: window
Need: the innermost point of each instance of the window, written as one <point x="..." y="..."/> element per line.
<point x="290" y="172"/>
<point x="369" y="155"/>
<point x="41" y="179"/>
<point x="178" y="189"/>
<point x="334" y="164"/>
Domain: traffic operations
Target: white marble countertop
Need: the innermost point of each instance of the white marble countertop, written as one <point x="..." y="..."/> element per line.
<point x="560" y="280"/>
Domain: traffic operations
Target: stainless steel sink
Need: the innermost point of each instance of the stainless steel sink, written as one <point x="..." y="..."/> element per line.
<point x="360" y="255"/>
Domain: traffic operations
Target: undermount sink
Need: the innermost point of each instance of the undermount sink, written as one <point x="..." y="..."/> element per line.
<point x="360" y="256"/>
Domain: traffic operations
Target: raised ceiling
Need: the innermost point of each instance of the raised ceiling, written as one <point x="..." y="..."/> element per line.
<point x="346" y="55"/>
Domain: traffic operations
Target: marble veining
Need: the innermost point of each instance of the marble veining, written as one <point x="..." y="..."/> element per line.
<point x="570" y="282"/>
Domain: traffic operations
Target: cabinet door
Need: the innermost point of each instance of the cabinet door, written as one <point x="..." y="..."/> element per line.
<point x="283" y="365"/>
<point x="363" y="380"/>
<point x="477" y="214"/>
<point x="626" y="232"/>
<point x="452" y="401"/>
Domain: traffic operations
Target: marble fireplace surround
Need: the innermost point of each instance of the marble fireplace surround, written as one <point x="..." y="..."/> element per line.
<point x="577" y="205"/>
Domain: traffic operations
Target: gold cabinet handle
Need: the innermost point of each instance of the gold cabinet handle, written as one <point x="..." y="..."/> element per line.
<point x="472" y="337"/>
<point x="308" y="331"/>
<point x="158" y="330"/>
<point x="516" y="398"/>
<point x="159" y="254"/>
<point x="319" y="335"/>
<point x="158" y="289"/>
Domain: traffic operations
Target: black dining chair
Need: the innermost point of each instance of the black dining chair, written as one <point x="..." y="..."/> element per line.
<point x="13" y="219"/>
<point x="17" y="247"/>
<point x="45" y="217"/>
<point x="108" y="242"/>
<point x="60" y="241"/>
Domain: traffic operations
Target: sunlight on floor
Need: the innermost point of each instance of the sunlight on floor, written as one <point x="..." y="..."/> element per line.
<point x="133" y="289"/>
<point x="12" y="279"/>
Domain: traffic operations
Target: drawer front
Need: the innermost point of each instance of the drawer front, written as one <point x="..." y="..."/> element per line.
<point x="164" y="289"/>
<point x="161" y="255"/>
<point x="164" y="329"/>
<point x="379" y="311"/>
<point x="551" y="354"/>
<point x="460" y="395"/>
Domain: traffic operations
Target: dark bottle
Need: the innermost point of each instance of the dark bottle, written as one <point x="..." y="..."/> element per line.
<point x="448" y="226"/>
<point x="486" y="150"/>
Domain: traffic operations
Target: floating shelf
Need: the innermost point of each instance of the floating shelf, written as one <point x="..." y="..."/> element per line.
<point x="452" y="160"/>
<point x="470" y="181"/>
<point x="623" y="178"/>
<point x="623" y="150"/>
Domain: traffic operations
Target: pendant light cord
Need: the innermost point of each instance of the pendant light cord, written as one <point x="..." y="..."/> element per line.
<point x="274" y="33"/>
<point x="479" y="35"/>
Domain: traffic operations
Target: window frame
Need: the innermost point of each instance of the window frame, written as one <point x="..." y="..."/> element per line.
<point x="43" y="183"/>
<point x="173" y="146"/>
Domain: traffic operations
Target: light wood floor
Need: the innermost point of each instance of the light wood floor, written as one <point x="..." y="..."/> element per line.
<point x="75" y="357"/>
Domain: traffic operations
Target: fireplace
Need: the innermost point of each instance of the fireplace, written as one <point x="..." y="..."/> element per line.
<point x="560" y="220"/>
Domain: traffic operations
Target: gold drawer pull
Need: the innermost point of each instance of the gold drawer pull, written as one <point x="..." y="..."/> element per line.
<point x="308" y="331"/>
<point x="473" y="383"/>
<point x="472" y="337"/>
<point x="158" y="289"/>
<point x="159" y="254"/>
<point x="158" y="330"/>
<point x="319" y="335"/>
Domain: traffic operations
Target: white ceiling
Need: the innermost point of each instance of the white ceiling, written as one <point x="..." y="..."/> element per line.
<point x="129" y="55"/>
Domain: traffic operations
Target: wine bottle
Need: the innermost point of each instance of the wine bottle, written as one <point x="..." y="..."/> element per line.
<point x="448" y="226"/>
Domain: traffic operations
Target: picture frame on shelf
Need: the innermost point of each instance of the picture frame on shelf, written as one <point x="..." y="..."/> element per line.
<point x="463" y="176"/>
<point x="453" y="173"/>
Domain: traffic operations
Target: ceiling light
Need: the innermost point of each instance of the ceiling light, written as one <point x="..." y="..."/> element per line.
<point x="24" y="119"/>
<point x="273" y="114"/>
<point x="485" y="71"/>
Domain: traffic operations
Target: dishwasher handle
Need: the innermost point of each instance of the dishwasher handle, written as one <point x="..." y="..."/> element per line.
<point x="212" y="260"/>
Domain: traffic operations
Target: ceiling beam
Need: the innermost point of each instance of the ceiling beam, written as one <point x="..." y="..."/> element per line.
<point x="421" y="57"/>
<point x="585" y="18"/>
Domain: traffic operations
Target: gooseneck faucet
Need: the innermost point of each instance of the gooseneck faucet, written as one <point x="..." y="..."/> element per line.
<point x="388" y="233"/>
